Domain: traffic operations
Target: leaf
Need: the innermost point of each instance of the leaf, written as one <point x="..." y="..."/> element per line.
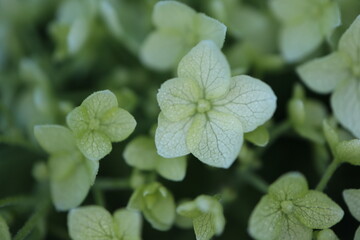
<point x="260" y="136"/>
<point x="4" y="230"/>
<point x="70" y="179"/>
<point x="172" y="168"/>
<point x="178" y="98"/>
<point x="316" y="210"/>
<point x="323" y="74"/>
<point x="206" y="65"/>
<point x="117" y="124"/>
<point x="215" y="138"/>
<point x="349" y="42"/>
<point x="127" y="224"/>
<point x="266" y="220"/>
<point x="346" y="105"/>
<point x="252" y="101"/>
<point x="352" y="200"/>
<point x="170" y="137"/>
<point x="90" y="223"/>
<point x="94" y="145"/>
<point x="141" y="153"/>
<point x="349" y="151"/>
<point x="289" y="186"/>
<point x="55" y="138"/>
<point x="210" y="29"/>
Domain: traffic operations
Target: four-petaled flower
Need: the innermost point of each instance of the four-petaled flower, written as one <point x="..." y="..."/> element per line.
<point x="290" y="211"/>
<point x="179" y="28"/>
<point x="98" y="122"/>
<point x="205" y="112"/>
<point x="339" y="73"/>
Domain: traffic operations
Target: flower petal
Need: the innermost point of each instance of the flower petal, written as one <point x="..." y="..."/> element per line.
<point x="141" y="153"/>
<point x="345" y="102"/>
<point x="289" y="186"/>
<point x="316" y="210"/>
<point x="208" y="66"/>
<point x="99" y="103"/>
<point x="170" y="137"/>
<point x="293" y="229"/>
<point x="215" y="138"/>
<point x="252" y="101"/>
<point x="94" y="145"/>
<point x="331" y="18"/>
<point x="287" y="10"/>
<point x="210" y="29"/>
<point x="127" y="224"/>
<point x="178" y="98"/>
<point x="352" y="200"/>
<point x="172" y="168"/>
<point x="117" y="124"/>
<point x="78" y="120"/>
<point x="350" y="40"/>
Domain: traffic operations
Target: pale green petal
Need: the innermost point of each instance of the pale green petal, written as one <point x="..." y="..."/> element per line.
<point x="260" y="136"/>
<point x="345" y="103"/>
<point x="178" y="97"/>
<point x="289" y="186"/>
<point x="350" y="41"/>
<point x="292" y="229"/>
<point x="206" y="64"/>
<point x="349" y="151"/>
<point x="70" y="179"/>
<point x="78" y="34"/>
<point x="266" y="219"/>
<point x="170" y="137"/>
<point x="357" y="234"/>
<point x="78" y="120"/>
<point x="117" y="124"/>
<point x="330" y="18"/>
<point x="162" y="50"/>
<point x="352" y="200"/>
<point x="127" y="224"/>
<point x="326" y="234"/>
<point x="4" y="230"/>
<point x="210" y="29"/>
<point x="141" y="153"/>
<point x="173" y="15"/>
<point x="94" y="145"/>
<point x="252" y="101"/>
<point x="108" y="11"/>
<point x="90" y="223"/>
<point x="316" y="210"/>
<point x="299" y="40"/>
<point x="215" y="138"/>
<point x="289" y="10"/>
<point x="99" y="103"/>
<point x="55" y="138"/>
<point x="323" y="74"/>
<point x="172" y="168"/>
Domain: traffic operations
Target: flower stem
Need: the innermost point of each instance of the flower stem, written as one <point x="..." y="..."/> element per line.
<point x="10" y="201"/>
<point x="278" y="130"/>
<point x="112" y="184"/>
<point x="254" y="180"/>
<point x="327" y="175"/>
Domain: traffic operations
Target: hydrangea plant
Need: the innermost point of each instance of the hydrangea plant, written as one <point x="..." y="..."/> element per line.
<point x="205" y="111"/>
<point x="339" y="73"/>
<point x="4" y="230"/>
<point x="178" y="29"/>
<point x="71" y="174"/>
<point x="352" y="200"/>
<point x="97" y="122"/>
<point x="95" y="222"/>
<point x="305" y="24"/>
<point x="291" y="211"/>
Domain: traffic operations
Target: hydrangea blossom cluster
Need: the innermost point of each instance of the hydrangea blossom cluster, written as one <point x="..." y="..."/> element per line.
<point x="205" y="111"/>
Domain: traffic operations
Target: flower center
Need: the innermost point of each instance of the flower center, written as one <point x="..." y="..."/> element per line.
<point x="94" y="124"/>
<point x="356" y="70"/>
<point x="287" y="207"/>
<point x="203" y="106"/>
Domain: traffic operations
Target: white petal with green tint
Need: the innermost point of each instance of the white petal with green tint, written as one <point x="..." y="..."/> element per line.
<point x="94" y="145"/>
<point x="326" y="234"/>
<point x="178" y="98"/>
<point x="78" y="34"/>
<point x="141" y="153"/>
<point x="331" y="18"/>
<point x="316" y="210"/>
<point x="287" y="10"/>
<point x="163" y="49"/>
<point x="4" y="230"/>
<point x="299" y="40"/>
<point x="289" y="186"/>
<point x="259" y="137"/>
<point x="99" y="103"/>
<point x="215" y="138"/>
<point x="127" y="224"/>
<point x="252" y="101"/>
<point x="90" y="223"/>
<point x="349" y="151"/>
<point x="292" y="229"/>
<point x="323" y="74"/>
<point x="210" y="29"/>
<point x="55" y="138"/>
<point x="172" y="168"/>
<point x="173" y="15"/>
<point x="170" y="137"/>
<point x="357" y="234"/>
<point x="117" y="124"/>
<point x="345" y="103"/>
<point x="206" y="64"/>
<point x="78" y="120"/>
<point x="352" y="200"/>
<point x="266" y="219"/>
<point x="350" y="41"/>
